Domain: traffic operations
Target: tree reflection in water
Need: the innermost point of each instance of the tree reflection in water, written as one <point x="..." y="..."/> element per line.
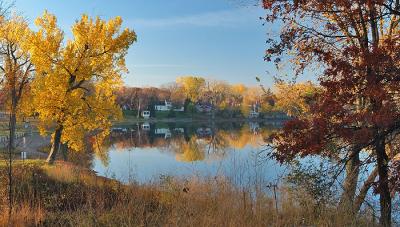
<point x="189" y="142"/>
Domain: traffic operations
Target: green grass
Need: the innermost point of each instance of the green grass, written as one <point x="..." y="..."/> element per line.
<point x="129" y="113"/>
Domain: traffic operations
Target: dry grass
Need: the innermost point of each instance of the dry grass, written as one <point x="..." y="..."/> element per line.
<point x="65" y="195"/>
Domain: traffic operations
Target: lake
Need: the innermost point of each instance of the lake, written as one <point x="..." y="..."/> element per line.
<point x="145" y="152"/>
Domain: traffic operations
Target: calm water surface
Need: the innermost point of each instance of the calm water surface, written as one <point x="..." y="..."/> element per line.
<point x="146" y="152"/>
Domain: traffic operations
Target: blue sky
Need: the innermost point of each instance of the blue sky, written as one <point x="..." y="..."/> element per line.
<point x="219" y="39"/>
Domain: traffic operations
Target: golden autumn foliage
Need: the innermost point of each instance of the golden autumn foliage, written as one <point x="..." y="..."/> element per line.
<point x="294" y="99"/>
<point x="14" y="39"/>
<point x="76" y="79"/>
<point x="239" y="89"/>
<point x="16" y="69"/>
<point x="191" y="86"/>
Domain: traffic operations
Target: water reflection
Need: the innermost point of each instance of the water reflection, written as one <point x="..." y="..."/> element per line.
<point x="191" y="142"/>
<point x="166" y="148"/>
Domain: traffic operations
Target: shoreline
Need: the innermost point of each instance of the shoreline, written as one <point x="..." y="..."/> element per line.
<point x="189" y="120"/>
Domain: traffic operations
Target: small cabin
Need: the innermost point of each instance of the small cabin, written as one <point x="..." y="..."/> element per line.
<point x="146" y="114"/>
<point x="166" y="106"/>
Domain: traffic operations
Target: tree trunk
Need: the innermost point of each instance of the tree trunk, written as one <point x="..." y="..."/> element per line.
<point x="11" y="147"/>
<point x="55" y="146"/>
<point x="350" y="182"/>
<point x="11" y="144"/>
<point x="13" y="125"/>
<point x="64" y="151"/>
<point x="359" y="200"/>
<point x="13" y="118"/>
<point x="383" y="184"/>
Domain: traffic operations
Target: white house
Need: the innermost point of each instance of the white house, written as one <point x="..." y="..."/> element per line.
<point x="146" y="114"/>
<point x="164" y="107"/>
<point x="167" y="106"/>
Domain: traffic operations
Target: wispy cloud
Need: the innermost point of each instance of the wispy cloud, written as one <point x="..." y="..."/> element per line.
<point x="158" y="66"/>
<point x="227" y="18"/>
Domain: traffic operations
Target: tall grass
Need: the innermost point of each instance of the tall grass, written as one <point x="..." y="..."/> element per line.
<point x="66" y="195"/>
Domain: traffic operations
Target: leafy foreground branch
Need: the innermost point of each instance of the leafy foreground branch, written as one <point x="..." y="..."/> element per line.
<point x="66" y="195"/>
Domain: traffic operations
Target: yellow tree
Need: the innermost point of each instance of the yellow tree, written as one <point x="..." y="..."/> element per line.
<point x="175" y="94"/>
<point x="191" y="86"/>
<point x="76" y="80"/>
<point x="294" y="99"/>
<point x="15" y="67"/>
<point x="15" y="72"/>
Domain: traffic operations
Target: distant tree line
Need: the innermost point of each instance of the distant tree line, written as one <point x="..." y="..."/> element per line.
<point x="221" y="97"/>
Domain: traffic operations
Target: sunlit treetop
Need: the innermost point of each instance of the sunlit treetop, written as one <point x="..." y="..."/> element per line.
<point x="77" y="78"/>
<point x="16" y="68"/>
<point x="295" y="99"/>
<point x="191" y="86"/>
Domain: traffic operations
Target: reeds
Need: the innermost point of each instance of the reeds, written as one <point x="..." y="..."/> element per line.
<point x="65" y="195"/>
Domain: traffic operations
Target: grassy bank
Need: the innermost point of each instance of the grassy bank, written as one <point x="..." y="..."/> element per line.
<point x="66" y="195"/>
